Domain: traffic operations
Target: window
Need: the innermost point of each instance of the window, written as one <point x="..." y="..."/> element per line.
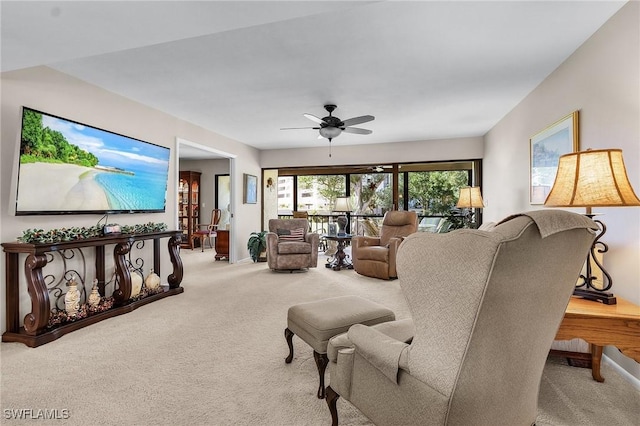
<point x="430" y="189"/>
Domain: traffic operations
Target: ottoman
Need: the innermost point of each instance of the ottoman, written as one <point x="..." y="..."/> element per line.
<point x="317" y="322"/>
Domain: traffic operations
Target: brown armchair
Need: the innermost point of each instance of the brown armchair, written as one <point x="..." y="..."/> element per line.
<point x="290" y="245"/>
<point x="376" y="256"/>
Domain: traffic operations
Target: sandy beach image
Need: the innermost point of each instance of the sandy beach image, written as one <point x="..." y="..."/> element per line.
<point x="76" y="188"/>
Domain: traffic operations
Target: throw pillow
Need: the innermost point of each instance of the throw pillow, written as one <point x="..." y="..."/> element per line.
<point x="296" y="234"/>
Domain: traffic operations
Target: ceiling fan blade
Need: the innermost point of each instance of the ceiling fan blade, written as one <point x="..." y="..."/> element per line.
<point x="357" y="130"/>
<point x="358" y="120"/>
<point x="296" y="128"/>
<point x="315" y="119"/>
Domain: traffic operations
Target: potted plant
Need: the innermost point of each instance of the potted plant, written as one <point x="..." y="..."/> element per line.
<point x="257" y="246"/>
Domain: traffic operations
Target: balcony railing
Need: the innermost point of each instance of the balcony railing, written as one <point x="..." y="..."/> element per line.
<point x="357" y="223"/>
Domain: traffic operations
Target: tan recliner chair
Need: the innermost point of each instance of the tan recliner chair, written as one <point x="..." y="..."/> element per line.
<point x="376" y="256"/>
<point x="485" y="306"/>
<point x="290" y="245"/>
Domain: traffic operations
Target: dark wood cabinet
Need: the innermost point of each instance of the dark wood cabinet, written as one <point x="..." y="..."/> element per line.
<point x="188" y="204"/>
<point x="222" y="244"/>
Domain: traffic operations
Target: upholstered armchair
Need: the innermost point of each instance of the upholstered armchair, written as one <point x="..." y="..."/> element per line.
<point x="375" y="256"/>
<point x="485" y="307"/>
<point x="290" y="245"/>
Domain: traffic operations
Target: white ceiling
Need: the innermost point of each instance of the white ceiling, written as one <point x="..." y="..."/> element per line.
<point x="424" y="69"/>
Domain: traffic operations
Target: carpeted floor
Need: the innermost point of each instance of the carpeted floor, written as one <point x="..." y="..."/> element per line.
<point x="214" y="355"/>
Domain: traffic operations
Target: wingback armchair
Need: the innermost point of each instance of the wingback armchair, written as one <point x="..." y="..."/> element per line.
<point x="485" y="307"/>
<point x="290" y="245"/>
<point x="375" y="256"/>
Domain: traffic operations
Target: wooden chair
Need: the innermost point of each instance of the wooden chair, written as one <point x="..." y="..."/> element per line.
<point x="206" y="231"/>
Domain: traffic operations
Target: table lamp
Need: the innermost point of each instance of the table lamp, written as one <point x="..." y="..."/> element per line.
<point x="589" y="179"/>
<point x="343" y="205"/>
<point x="468" y="199"/>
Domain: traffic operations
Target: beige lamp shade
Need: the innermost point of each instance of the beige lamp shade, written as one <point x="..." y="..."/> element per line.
<point x="592" y="178"/>
<point x="470" y="197"/>
<point x="342" y="204"/>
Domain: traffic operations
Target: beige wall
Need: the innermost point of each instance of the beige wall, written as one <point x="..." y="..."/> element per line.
<point x="601" y="80"/>
<point x="401" y="152"/>
<point x="270" y="198"/>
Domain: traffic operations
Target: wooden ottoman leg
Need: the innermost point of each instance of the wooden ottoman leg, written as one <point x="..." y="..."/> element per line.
<point x="321" y="362"/>
<point x="288" y="335"/>
<point x="332" y="399"/>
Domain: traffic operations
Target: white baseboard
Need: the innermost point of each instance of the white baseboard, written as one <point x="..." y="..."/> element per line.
<point x="635" y="382"/>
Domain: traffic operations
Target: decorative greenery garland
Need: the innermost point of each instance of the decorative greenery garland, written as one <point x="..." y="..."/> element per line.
<point x="80" y="233"/>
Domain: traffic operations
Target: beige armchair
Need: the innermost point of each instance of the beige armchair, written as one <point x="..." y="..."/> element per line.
<point x="290" y="245"/>
<point x="376" y="256"/>
<point x="485" y="306"/>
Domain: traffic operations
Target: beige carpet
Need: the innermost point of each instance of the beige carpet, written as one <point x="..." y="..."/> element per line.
<point x="214" y="355"/>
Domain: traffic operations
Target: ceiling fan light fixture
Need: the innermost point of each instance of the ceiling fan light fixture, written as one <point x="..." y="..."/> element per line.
<point x="330" y="132"/>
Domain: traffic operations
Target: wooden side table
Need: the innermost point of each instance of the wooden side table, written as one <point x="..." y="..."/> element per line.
<point x="222" y="244"/>
<point x="601" y="325"/>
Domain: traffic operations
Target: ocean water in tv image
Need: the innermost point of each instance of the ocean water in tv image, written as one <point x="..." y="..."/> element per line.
<point x="77" y="168"/>
<point x="145" y="189"/>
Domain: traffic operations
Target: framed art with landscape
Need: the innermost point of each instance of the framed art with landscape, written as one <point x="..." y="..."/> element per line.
<point x="250" y="189"/>
<point x="545" y="149"/>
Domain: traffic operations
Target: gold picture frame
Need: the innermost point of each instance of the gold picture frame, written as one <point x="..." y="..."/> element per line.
<point x="250" y="189"/>
<point x="545" y="149"/>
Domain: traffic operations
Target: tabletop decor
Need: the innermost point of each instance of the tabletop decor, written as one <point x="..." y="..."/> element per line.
<point x="593" y="178"/>
<point x="546" y="147"/>
<point x="343" y="205"/>
<point x="80" y="233"/>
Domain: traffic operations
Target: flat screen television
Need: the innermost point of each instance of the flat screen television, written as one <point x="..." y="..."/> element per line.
<point x="67" y="167"/>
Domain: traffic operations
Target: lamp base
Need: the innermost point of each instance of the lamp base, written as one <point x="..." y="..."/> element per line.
<point x="597" y="296"/>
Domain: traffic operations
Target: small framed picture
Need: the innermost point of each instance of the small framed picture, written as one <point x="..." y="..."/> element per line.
<point x="250" y="189"/>
<point x="545" y="150"/>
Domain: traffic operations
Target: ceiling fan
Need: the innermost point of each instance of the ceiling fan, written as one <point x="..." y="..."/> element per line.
<point x="332" y="127"/>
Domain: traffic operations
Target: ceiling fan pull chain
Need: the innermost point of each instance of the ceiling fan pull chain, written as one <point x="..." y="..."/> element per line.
<point x="329" y="148"/>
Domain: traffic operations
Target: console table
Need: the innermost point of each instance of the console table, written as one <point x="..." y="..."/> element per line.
<point x="40" y="287"/>
<point x="601" y="325"/>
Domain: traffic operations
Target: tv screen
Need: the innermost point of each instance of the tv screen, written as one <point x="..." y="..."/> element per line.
<point x="67" y="167"/>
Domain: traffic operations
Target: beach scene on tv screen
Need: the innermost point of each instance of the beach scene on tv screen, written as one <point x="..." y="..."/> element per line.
<point x="70" y="167"/>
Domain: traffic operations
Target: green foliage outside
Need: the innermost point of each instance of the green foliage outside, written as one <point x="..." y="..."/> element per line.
<point x="436" y="192"/>
<point x="369" y="192"/>
<point x="329" y="186"/>
<point x="41" y="144"/>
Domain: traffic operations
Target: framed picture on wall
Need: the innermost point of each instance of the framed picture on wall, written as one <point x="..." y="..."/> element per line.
<point x="545" y="149"/>
<point x="250" y="189"/>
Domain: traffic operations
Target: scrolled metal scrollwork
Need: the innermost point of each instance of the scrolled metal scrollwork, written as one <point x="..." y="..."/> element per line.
<point x="588" y="278"/>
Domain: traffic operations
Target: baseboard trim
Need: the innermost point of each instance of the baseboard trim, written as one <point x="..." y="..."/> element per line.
<point x="635" y="382"/>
